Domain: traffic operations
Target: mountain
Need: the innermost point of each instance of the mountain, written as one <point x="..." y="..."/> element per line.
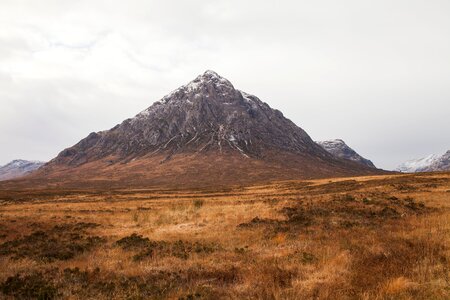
<point x="18" y="168"/>
<point x="429" y="163"/>
<point x="203" y="133"/>
<point x="340" y="149"/>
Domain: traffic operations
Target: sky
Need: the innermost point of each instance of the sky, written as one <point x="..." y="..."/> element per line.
<point x="373" y="73"/>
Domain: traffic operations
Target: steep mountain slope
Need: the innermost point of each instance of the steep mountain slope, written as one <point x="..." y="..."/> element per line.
<point x="340" y="149"/>
<point x="204" y="133"/>
<point x="18" y="168"/>
<point x="430" y="163"/>
<point x="206" y="114"/>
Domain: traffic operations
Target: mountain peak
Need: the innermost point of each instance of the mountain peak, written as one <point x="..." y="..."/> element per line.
<point x="211" y="78"/>
<point x="209" y="85"/>
<point x="210" y="73"/>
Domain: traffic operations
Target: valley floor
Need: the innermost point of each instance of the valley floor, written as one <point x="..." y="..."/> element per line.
<point x="379" y="237"/>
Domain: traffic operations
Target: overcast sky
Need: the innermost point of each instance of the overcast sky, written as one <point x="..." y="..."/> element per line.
<point x="374" y="73"/>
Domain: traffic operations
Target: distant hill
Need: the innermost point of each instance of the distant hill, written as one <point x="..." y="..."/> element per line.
<point x="18" y="168"/>
<point x="340" y="149"/>
<point x="429" y="163"/>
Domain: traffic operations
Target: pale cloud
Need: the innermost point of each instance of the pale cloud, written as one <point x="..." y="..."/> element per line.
<point x="374" y="73"/>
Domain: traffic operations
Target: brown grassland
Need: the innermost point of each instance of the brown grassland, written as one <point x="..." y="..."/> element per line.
<point x="378" y="237"/>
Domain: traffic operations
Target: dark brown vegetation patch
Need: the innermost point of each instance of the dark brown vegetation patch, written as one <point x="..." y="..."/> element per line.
<point x="62" y="242"/>
<point x="146" y="248"/>
<point x="77" y="227"/>
<point x="344" y="211"/>
<point x="93" y="284"/>
<point x="31" y="286"/>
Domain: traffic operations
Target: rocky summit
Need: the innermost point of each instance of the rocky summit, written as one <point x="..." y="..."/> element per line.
<point x="205" y="132"/>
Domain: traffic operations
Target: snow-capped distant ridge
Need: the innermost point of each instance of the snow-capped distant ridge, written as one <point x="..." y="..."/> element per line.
<point x="22" y="162"/>
<point x="340" y="149"/>
<point x="18" y="168"/>
<point x="429" y="163"/>
<point x="415" y="165"/>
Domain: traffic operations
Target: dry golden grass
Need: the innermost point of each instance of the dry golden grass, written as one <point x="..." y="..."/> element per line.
<point x="379" y="237"/>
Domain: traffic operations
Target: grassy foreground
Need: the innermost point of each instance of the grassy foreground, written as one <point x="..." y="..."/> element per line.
<point x="383" y="237"/>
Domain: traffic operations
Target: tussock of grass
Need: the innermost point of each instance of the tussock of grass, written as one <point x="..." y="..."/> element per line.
<point x="146" y="248"/>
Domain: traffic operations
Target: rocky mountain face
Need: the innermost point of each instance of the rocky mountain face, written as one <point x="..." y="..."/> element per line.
<point x="208" y="114"/>
<point x="18" y="168"/>
<point x="205" y="132"/>
<point x="429" y="163"/>
<point x="340" y="149"/>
